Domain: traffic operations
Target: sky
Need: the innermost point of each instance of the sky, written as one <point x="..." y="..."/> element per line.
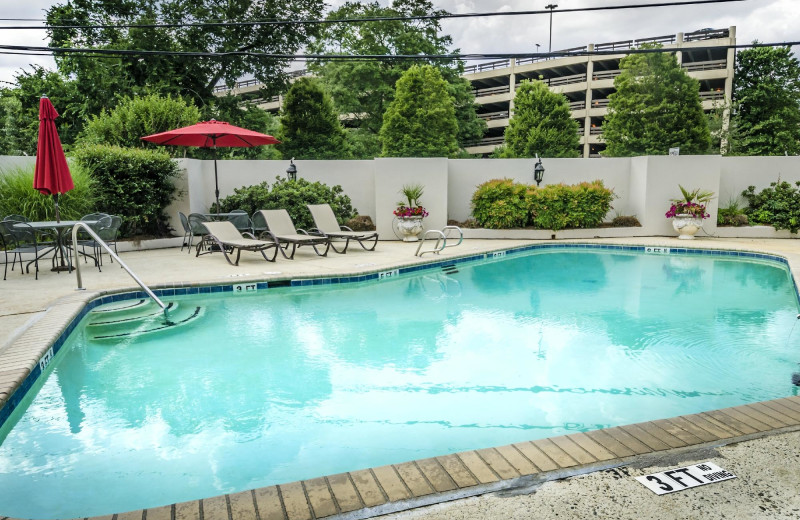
<point x="770" y="21"/>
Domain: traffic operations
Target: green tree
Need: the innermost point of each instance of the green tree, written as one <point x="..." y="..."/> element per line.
<point x="110" y="24"/>
<point x="421" y="120"/>
<point x="133" y="118"/>
<point x="23" y="135"/>
<point x="11" y="142"/>
<point x="541" y="124"/>
<point x="310" y="127"/>
<point x="364" y="89"/>
<point x="656" y="107"/>
<point x="230" y="109"/>
<point x="766" y="102"/>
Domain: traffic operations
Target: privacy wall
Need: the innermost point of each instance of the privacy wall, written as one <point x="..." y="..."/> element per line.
<point x="643" y="185"/>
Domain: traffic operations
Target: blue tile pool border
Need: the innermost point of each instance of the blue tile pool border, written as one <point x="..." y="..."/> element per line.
<point x="21" y="391"/>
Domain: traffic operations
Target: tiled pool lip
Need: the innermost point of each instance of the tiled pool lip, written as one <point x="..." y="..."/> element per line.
<point x="25" y="360"/>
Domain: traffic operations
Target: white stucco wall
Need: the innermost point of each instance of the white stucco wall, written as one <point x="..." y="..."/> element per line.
<point x="737" y="173"/>
<point x="390" y="176"/>
<point x="664" y="174"/>
<point x="10" y="162"/>
<point x="643" y="185"/>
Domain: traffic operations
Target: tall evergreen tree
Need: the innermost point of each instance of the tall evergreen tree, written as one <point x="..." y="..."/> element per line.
<point x="364" y="89"/>
<point x="310" y="127"/>
<point x="541" y="124"/>
<point x="421" y="120"/>
<point x="656" y="107"/>
<point x="766" y="102"/>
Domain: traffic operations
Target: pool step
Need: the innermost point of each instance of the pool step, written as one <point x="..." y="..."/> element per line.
<point x="140" y="321"/>
<point x="124" y="306"/>
<point x="126" y="317"/>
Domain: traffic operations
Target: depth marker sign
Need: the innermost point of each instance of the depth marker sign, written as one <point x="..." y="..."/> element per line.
<point x="684" y="478"/>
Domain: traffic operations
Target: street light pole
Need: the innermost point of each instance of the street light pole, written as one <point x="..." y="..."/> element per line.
<point x="551" y="7"/>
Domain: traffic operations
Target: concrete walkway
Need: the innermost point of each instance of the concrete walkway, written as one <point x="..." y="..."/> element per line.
<point x="34" y="312"/>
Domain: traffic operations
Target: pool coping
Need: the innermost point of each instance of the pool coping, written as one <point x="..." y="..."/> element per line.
<point x="377" y="491"/>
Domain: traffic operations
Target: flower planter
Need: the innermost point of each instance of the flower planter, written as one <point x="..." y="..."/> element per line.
<point x="686" y="226"/>
<point x="409" y="228"/>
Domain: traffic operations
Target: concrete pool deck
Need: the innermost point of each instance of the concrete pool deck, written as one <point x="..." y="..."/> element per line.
<point x="34" y="312"/>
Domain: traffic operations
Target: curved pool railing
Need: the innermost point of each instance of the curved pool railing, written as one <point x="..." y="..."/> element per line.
<point x="441" y="239"/>
<point x="98" y="240"/>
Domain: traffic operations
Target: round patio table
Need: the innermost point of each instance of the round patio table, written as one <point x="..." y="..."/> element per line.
<point x="61" y="260"/>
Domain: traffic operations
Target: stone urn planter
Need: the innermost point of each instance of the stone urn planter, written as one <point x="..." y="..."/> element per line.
<point x="686" y="226"/>
<point x="409" y="228"/>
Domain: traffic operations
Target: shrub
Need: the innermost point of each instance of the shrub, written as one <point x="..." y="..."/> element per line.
<point x="625" y="221"/>
<point x="134" y="184"/>
<point x="133" y="118"/>
<point x="732" y="214"/>
<point x="291" y="196"/>
<point x="777" y="206"/>
<point x="501" y="204"/>
<point x="360" y="223"/>
<point x="17" y="196"/>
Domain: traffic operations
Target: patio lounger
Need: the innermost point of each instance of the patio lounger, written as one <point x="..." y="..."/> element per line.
<point x="228" y="239"/>
<point x="327" y="225"/>
<point x="281" y="228"/>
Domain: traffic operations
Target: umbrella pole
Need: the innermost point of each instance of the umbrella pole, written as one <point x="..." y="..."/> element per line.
<point x="216" y="179"/>
<point x="55" y="201"/>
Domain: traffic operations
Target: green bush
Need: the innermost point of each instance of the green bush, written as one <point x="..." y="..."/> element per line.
<point x="777" y="206"/>
<point x="732" y="214"/>
<point x="136" y="117"/>
<point x="502" y="204"/>
<point x="17" y="196"/>
<point x="134" y="184"/>
<point x="291" y="196"/>
<point x="625" y="221"/>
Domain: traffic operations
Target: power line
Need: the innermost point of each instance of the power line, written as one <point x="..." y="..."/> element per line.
<point x="20" y="49"/>
<point x="373" y="19"/>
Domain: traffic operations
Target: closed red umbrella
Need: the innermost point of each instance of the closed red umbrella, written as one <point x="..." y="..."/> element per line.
<point x="51" y="176"/>
<point x="211" y="134"/>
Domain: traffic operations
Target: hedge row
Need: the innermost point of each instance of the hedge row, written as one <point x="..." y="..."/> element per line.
<point x="503" y="204"/>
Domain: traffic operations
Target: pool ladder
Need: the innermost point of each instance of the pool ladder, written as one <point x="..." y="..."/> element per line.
<point x="441" y="239"/>
<point x="90" y="231"/>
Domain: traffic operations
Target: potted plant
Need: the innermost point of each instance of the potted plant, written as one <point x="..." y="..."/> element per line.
<point x="688" y="213"/>
<point x="409" y="213"/>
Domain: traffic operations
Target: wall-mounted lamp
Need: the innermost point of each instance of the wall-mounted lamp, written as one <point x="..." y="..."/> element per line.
<point x="538" y="170"/>
<point x="291" y="171"/>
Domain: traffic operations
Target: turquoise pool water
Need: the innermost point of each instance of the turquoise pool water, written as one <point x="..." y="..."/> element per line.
<point x="295" y="383"/>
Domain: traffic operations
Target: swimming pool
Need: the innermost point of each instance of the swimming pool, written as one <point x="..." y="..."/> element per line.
<point x="497" y="352"/>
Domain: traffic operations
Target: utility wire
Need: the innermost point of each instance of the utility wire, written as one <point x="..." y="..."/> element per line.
<point x="17" y="49"/>
<point x="373" y="19"/>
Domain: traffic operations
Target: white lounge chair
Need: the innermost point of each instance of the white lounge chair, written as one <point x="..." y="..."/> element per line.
<point x="228" y="239"/>
<point x="327" y="225"/>
<point x="281" y="228"/>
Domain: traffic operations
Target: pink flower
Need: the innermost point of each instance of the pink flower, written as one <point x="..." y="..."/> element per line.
<point x="403" y="211"/>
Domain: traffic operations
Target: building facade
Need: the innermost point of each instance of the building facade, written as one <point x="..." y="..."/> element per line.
<point x="586" y="79"/>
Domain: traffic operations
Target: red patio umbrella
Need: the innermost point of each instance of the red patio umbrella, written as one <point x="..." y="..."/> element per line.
<point x="51" y="176"/>
<point x="211" y="134"/>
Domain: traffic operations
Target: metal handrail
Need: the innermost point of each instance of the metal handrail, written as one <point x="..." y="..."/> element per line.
<point x="441" y="238"/>
<point x="85" y="227"/>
